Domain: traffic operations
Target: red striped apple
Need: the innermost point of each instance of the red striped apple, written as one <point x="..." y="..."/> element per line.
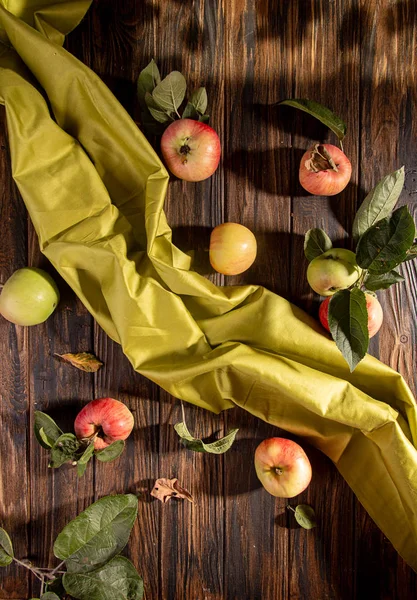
<point x="282" y="467"/>
<point x="325" y="170"/>
<point x="190" y="149"/>
<point x="375" y="314"/>
<point x="105" y="421"/>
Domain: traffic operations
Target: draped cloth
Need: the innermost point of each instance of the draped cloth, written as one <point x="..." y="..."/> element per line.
<point x="94" y="189"/>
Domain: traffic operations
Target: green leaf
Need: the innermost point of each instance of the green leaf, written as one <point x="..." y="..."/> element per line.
<point x="149" y="125"/>
<point x="51" y="431"/>
<point x="316" y="242"/>
<point x="63" y="450"/>
<point x="159" y="115"/>
<point x="5" y="559"/>
<point x="97" y="534"/>
<point x="379" y="203"/>
<point x="217" y="447"/>
<point x="81" y="469"/>
<point x="111" y="452"/>
<point x="199" y="100"/>
<point x="6" y="542"/>
<point x="170" y="93"/>
<point x="320" y="112"/>
<point x="56" y="586"/>
<point x="190" y="112"/>
<point x="85" y="361"/>
<point x="411" y="253"/>
<point x="117" y="580"/>
<point x="204" y="118"/>
<point x="384" y="245"/>
<point x="87" y="454"/>
<point x="382" y="282"/>
<point x="305" y="516"/>
<point x="148" y="79"/>
<point x="49" y="596"/>
<point x="348" y="322"/>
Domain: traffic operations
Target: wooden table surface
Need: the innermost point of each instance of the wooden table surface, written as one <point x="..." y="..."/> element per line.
<point x="237" y="542"/>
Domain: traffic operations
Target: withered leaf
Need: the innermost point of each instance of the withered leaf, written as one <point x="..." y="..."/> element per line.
<point x="164" y="489"/>
<point x="82" y="360"/>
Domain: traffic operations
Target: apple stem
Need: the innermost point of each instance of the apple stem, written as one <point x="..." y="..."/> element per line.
<point x="290" y="508"/>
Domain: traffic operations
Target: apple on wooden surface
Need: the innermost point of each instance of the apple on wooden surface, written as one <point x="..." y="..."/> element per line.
<point x="373" y="307"/>
<point x="282" y="467"/>
<point x="191" y="149"/>
<point x="105" y="421"/>
<point x="324" y="170"/>
<point x="232" y="248"/>
<point x="334" y="270"/>
<point x="29" y="297"/>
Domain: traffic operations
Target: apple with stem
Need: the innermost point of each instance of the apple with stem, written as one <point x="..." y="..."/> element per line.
<point x="373" y="307"/>
<point x="103" y="421"/>
<point x="282" y="467"/>
<point x="334" y="270"/>
<point x="29" y="297"/>
<point x="191" y="149"/>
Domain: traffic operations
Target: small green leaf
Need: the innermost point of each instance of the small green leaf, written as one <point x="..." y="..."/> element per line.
<point x="149" y="125"/>
<point x="81" y="469"/>
<point x="148" y="79"/>
<point x="5" y="559"/>
<point x="6" y="542"/>
<point x="411" y="253"/>
<point x="348" y="322"/>
<point x="117" y="580"/>
<point x="199" y="100"/>
<point x="204" y="118"/>
<point x="84" y="361"/>
<point x="63" y="450"/>
<point x="190" y="112"/>
<point x="157" y="113"/>
<point x="111" y="452"/>
<point x="86" y="455"/>
<point x="305" y="516"/>
<point x="316" y="242"/>
<point x="51" y="431"/>
<point x="385" y="245"/>
<point x="97" y="534"/>
<point x="382" y="282"/>
<point x="320" y="112"/>
<point x="49" y="596"/>
<point x="170" y="93"/>
<point x="217" y="447"/>
<point x="379" y="203"/>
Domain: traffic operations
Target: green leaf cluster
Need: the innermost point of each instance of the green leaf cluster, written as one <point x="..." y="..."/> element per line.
<point x="161" y="99"/>
<point x="385" y="238"/>
<point x="65" y="447"/>
<point x="90" y="546"/>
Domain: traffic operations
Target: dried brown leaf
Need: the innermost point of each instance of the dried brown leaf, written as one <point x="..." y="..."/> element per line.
<point x="165" y="489"/>
<point x="82" y="360"/>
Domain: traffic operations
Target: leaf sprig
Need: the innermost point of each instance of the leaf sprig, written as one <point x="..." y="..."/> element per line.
<point x="89" y="548"/>
<point x="385" y="238"/>
<point x="161" y="100"/>
<point x="65" y="447"/>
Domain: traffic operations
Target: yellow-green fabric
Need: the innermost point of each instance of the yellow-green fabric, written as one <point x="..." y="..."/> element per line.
<point x="95" y="189"/>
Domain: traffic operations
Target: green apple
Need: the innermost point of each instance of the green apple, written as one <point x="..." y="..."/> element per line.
<point x="29" y="297"/>
<point x="332" y="271"/>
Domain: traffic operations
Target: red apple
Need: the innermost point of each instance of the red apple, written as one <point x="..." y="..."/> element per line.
<point x="190" y="149"/>
<point x="282" y="467"/>
<point x="232" y="248"/>
<point x="324" y="170"/>
<point x="375" y="314"/>
<point x="105" y="420"/>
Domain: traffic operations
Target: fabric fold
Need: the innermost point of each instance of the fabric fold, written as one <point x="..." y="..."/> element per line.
<point x="95" y="189"/>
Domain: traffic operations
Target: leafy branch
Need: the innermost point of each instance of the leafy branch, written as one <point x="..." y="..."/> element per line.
<point x="385" y="239"/>
<point x="89" y="547"/>
<point x="161" y="99"/>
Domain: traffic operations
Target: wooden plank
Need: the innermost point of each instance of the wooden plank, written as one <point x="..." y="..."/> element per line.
<point x="192" y="536"/>
<point x="325" y="69"/>
<point x="14" y="468"/>
<point x="258" y="182"/>
<point x="388" y="133"/>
